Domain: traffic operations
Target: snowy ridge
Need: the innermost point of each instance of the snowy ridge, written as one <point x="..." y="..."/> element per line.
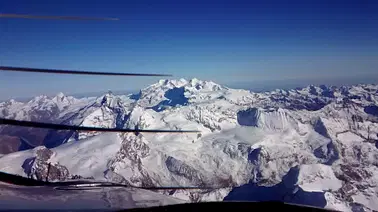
<point x="273" y="119"/>
<point x="315" y="145"/>
<point x="41" y="107"/>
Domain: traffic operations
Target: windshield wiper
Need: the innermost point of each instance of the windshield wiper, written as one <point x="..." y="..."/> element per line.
<point x="83" y="185"/>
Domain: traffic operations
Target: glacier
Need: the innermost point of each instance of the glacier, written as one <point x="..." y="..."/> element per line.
<point x="315" y="145"/>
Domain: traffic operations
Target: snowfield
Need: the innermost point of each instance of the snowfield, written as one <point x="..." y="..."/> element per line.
<point x="315" y="146"/>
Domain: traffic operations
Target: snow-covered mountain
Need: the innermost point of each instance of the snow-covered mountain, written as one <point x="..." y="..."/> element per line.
<point x="316" y="145"/>
<point x="40" y="108"/>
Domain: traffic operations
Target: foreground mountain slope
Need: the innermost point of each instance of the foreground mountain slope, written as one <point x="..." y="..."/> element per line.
<point x="315" y="145"/>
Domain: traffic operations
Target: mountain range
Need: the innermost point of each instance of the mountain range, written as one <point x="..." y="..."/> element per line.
<point x="315" y="145"/>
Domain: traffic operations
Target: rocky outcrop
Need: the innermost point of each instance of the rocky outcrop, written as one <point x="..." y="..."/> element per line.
<point x="40" y="168"/>
<point x="180" y="168"/>
<point x="133" y="149"/>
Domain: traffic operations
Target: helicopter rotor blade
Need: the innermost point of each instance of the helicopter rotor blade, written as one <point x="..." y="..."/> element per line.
<point x="79" y="128"/>
<point x="59" y="71"/>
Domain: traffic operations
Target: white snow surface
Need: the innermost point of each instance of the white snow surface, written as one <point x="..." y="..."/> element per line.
<point x="94" y="154"/>
<point x="318" y="177"/>
<point x="329" y="133"/>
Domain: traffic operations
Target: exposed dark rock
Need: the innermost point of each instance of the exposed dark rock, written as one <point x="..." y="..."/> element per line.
<point x="353" y="173"/>
<point x="43" y="154"/>
<point x="40" y="168"/>
<point x="133" y="149"/>
<point x="180" y="168"/>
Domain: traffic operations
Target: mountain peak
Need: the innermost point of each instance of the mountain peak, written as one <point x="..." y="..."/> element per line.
<point x="12" y="101"/>
<point x="163" y="81"/>
<point x="39" y="98"/>
<point x="194" y="81"/>
<point x="171" y="83"/>
<point x="59" y="97"/>
<point x="110" y="100"/>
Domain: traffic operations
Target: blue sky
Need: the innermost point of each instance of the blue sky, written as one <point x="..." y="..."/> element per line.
<point x="230" y="42"/>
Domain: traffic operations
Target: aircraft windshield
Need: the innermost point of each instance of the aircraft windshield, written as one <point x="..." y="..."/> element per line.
<point x="194" y="101"/>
